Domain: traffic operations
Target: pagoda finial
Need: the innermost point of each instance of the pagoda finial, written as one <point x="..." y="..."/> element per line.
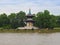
<point x="29" y="11"/>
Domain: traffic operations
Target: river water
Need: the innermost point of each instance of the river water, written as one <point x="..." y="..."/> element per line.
<point x="29" y="39"/>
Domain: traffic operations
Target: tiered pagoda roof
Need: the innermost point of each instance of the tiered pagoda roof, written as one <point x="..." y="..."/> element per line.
<point x="29" y="17"/>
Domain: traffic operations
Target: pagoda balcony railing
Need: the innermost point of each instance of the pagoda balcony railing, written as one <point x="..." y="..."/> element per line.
<point x="29" y="19"/>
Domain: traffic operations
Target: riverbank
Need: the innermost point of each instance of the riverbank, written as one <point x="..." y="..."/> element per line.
<point x="28" y="31"/>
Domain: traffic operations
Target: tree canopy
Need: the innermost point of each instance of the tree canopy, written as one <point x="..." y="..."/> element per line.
<point x="45" y="20"/>
<point x="42" y="20"/>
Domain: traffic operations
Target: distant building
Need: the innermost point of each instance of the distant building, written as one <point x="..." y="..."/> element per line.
<point x="29" y="21"/>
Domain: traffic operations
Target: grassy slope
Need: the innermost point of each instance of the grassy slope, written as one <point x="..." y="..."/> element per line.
<point x="28" y="31"/>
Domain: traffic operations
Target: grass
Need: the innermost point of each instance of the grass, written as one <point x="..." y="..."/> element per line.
<point x="28" y="31"/>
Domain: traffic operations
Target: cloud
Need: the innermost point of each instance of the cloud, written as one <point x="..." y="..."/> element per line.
<point x="9" y="6"/>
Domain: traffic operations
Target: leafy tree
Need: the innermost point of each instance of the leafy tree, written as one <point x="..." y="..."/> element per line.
<point x="3" y="20"/>
<point x="45" y="20"/>
<point x="12" y="19"/>
<point x="57" y="21"/>
<point x="21" y="18"/>
<point x="38" y="19"/>
<point x="17" y="20"/>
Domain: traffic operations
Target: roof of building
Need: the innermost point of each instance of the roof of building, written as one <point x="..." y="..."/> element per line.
<point x="29" y="14"/>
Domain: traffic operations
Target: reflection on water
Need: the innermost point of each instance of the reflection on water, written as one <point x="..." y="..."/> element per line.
<point x="29" y="39"/>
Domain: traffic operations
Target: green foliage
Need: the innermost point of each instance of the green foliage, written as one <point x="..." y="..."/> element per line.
<point x="3" y="20"/>
<point x="42" y="20"/>
<point x="45" y="20"/>
<point x="20" y="17"/>
<point x="57" y="21"/>
<point x="13" y="20"/>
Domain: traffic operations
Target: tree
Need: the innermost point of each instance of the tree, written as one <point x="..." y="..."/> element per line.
<point x="17" y="20"/>
<point x="38" y="19"/>
<point x="45" y="20"/>
<point x="52" y="22"/>
<point x="12" y="19"/>
<point x="57" y="21"/>
<point x="3" y="20"/>
<point x="46" y="12"/>
<point x="21" y="17"/>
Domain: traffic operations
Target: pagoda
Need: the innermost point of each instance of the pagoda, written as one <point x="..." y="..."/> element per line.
<point x="29" y="20"/>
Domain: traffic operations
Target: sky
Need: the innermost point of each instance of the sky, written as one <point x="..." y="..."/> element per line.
<point x="14" y="6"/>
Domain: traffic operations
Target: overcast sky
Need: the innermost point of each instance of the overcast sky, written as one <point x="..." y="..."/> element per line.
<point x="9" y="6"/>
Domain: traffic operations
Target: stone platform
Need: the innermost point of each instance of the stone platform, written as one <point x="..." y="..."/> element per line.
<point x="27" y="27"/>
